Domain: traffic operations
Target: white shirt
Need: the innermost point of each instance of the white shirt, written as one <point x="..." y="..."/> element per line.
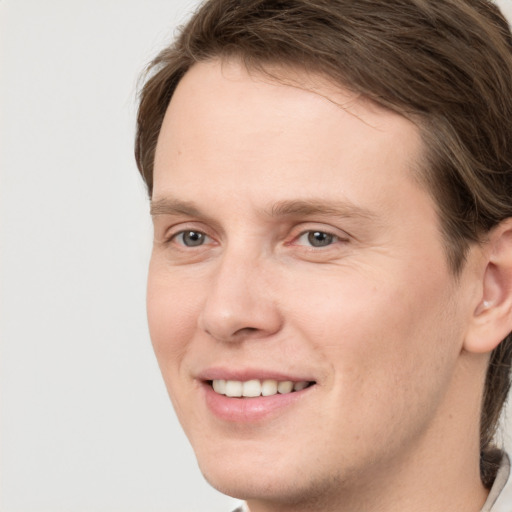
<point x="500" y="496"/>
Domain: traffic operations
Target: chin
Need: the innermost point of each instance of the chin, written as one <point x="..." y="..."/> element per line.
<point x="266" y="470"/>
<point x="248" y="484"/>
<point x="285" y="489"/>
<point x="245" y="474"/>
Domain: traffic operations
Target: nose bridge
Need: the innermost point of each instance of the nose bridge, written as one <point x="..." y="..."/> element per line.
<point x="239" y="303"/>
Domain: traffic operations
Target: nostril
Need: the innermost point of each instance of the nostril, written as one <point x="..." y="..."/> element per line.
<point x="248" y="329"/>
<point x="246" y="332"/>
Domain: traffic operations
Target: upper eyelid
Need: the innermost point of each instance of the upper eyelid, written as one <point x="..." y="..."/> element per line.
<point x="169" y="237"/>
<point x="294" y="232"/>
<point x="173" y="234"/>
<point x="325" y="231"/>
<point x="322" y="228"/>
<point x="177" y="218"/>
<point x="337" y="238"/>
<point x="330" y="231"/>
<point x="172" y="229"/>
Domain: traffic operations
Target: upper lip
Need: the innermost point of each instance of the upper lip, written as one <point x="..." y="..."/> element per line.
<point x="245" y="374"/>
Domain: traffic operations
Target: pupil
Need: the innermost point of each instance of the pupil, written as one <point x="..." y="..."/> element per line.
<point x="192" y="238"/>
<point x="319" y="239"/>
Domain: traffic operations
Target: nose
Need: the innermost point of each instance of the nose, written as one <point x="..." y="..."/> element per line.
<point x="240" y="301"/>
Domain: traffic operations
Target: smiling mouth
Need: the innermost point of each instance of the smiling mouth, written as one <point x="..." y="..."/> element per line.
<point x="255" y="388"/>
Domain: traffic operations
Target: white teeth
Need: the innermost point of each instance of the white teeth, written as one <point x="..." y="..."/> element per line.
<point x="251" y="388"/>
<point x="285" y="387"/>
<point x="269" y="387"/>
<point x="255" y="387"/>
<point x="219" y="386"/>
<point x="233" y="388"/>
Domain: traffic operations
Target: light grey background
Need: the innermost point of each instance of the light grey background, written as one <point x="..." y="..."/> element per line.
<point x="86" y="424"/>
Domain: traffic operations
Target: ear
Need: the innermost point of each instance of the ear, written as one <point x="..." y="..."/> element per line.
<point x="492" y="318"/>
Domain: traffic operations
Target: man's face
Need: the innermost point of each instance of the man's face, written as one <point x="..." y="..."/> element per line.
<point x="294" y="245"/>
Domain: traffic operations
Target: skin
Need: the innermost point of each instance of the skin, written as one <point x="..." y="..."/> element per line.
<point x="375" y="317"/>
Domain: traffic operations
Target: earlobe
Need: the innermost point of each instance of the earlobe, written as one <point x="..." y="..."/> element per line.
<point x="492" y="318"/>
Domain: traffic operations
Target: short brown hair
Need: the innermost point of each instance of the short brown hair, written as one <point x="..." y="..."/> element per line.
<point x="445" y="64"/>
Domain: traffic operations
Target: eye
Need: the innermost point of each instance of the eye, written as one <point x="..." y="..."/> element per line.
<point x="190" y="238"/>
<point x="317" y="238"/>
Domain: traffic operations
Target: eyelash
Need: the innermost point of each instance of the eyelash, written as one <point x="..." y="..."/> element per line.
<point x="202" y="237"/>
<point x="330" y="237"/>
<point x="184" y="232"/>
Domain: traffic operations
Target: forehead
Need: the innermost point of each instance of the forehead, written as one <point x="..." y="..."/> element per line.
<point x="218" y="84"/>
<point x="225" y="123"/>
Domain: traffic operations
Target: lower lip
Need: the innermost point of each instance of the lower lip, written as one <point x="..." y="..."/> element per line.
<point x="250" y="410"/>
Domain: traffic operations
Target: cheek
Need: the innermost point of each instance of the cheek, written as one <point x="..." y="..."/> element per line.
<point x="359" y="308"/>
<point x="383" y="337"/>
<point x="391" y="354"/>
<point x="172" y="315"/>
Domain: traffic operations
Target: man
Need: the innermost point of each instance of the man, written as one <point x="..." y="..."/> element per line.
<point x="330" y="290"/>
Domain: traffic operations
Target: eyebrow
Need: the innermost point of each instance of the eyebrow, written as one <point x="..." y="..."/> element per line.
<point x="286" y="208"/>
<point x="168" y="206"/>
<point x="343" y="209"/>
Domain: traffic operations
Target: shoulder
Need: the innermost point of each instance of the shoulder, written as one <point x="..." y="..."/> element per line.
<point x="242" y="508"/>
